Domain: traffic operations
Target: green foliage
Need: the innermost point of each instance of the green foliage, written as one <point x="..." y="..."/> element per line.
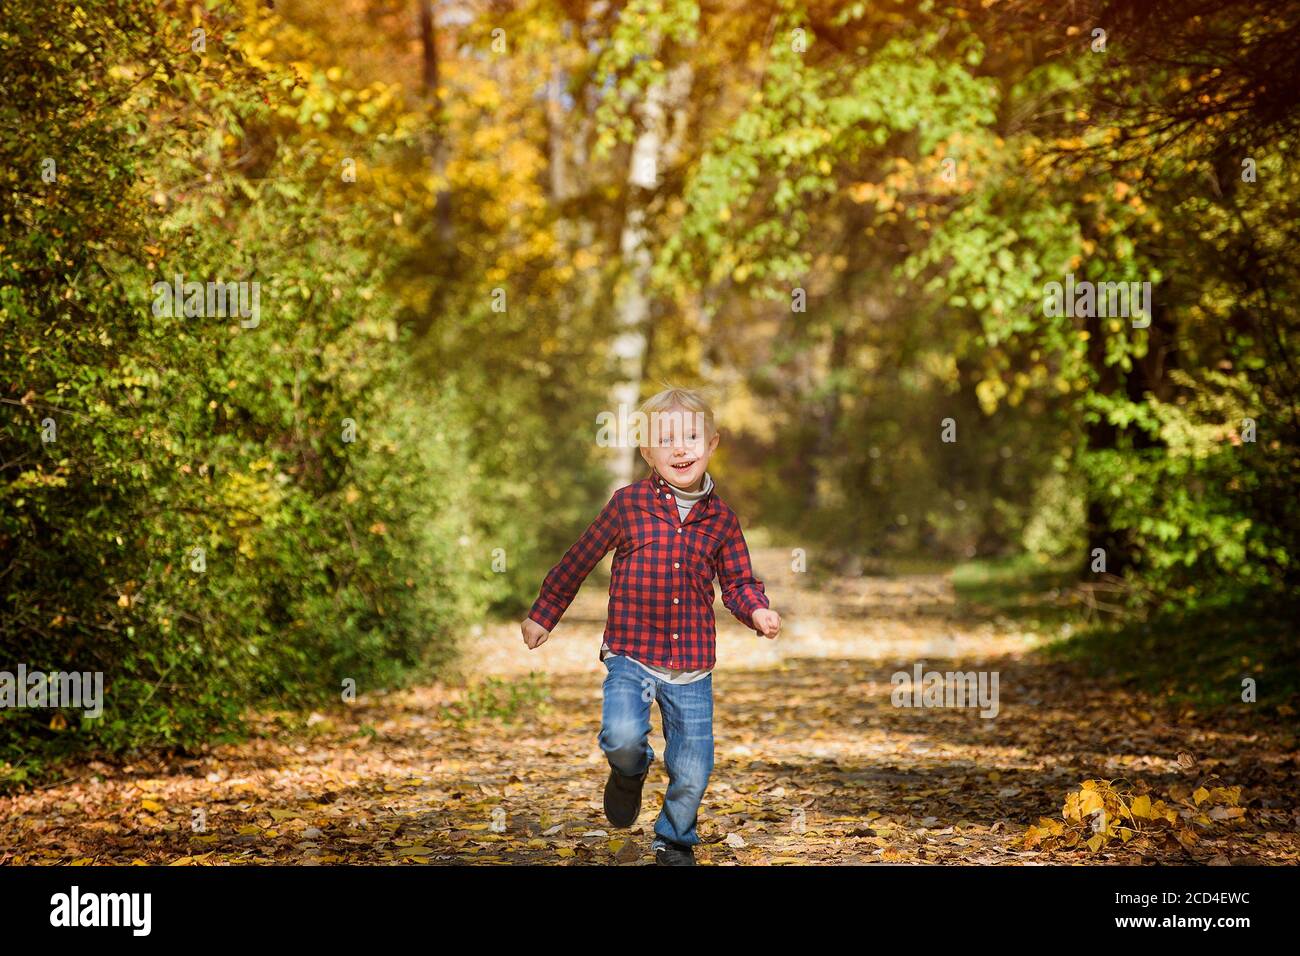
<point x="1054" y="528"/>
<point x="323" y="559"/>
<point x="920" y="178"/>
<point x="911" y="174"/>
<point x="493" y="698"/>
<point x="1193" y="541"/>
<point x="631" y="63"/>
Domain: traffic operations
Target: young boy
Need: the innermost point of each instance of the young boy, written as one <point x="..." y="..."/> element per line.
<point x="671" y="536"/>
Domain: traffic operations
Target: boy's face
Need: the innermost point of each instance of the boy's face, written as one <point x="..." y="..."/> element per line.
<point x="680" y="445"/>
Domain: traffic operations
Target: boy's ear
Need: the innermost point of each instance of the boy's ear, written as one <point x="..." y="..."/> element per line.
<point x="645" y="457"/>
<point x="713" y="442"/>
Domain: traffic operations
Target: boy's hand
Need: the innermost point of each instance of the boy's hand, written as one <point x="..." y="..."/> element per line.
<point x="767" y="621"/>
<point x="534" y="634"/>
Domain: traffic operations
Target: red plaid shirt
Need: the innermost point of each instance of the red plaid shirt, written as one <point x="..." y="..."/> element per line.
<point x="661" y="587"/>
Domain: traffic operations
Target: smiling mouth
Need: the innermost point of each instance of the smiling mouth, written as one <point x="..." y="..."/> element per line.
<point x="682" y="466"/>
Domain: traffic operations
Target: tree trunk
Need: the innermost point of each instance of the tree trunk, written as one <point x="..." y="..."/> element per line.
<point x="653" y="145"/>
<point x="430" y="76"/>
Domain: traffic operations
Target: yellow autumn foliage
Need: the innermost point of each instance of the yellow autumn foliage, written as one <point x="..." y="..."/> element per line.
<point x="1100" y="813"/>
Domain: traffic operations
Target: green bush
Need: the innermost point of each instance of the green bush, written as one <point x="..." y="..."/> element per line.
<point x="199" y="529"/>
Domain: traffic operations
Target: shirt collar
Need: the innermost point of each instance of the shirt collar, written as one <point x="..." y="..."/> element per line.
<point x="661" y="484"/>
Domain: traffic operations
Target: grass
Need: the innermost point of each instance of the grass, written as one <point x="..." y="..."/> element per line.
<point x="1199" y="658"/>
<point x="1031" y="592"/>
<point x="506" y="700"/>
<point x="1196" y="657"/>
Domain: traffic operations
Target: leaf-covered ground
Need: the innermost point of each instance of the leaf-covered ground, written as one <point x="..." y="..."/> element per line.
<point x="814" y="762"/>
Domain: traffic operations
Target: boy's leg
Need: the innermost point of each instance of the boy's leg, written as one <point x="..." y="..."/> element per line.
<point x="625" y="717"/>
<point x="687" y="711"/>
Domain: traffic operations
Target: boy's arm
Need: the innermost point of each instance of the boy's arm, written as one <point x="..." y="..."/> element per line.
<point x="562" y="582"/>
<point x="742" y="593"/>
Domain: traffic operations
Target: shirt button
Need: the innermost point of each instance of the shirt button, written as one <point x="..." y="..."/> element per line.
<point x="674" y="637"/>
<point x="668" y="494"/>
<point x="675" y="601"/>
<point x="677" y="564"/>
<point x="679" y="530"/>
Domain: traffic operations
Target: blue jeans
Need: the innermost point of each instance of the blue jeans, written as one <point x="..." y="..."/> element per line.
<point x="687" y="712"/>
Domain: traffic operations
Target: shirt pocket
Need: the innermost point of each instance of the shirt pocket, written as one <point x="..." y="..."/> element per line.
<point x="700" y="555"/>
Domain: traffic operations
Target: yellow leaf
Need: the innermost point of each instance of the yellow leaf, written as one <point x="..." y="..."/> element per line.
<point x="1090" y="802"/>
<point x="1141" y="808"/>
<point x="153" y="806"/>
<point x="1071" y="809"/>
<point x="1229" y="795"/>
<point x="1201" y="795"/>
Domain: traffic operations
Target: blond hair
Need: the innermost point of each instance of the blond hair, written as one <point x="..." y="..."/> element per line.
<point x="685" y="398"/>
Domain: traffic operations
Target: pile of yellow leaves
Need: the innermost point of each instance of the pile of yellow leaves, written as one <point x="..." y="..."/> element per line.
<point x="1098" y="813"/>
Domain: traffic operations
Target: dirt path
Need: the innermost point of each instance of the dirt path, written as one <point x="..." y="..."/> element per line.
<point x="814" y="762"/>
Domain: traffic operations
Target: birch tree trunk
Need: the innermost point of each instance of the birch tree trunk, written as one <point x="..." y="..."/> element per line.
<point x="655" y="145"/>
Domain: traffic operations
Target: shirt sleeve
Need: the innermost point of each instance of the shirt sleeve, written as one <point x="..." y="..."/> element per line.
<point x="742" y="593"/>
<point x="562" y="582"/>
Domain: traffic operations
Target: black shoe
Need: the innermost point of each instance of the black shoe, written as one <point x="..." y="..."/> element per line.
<point x="623" y="797"/>
<point x="673" y="854"/>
